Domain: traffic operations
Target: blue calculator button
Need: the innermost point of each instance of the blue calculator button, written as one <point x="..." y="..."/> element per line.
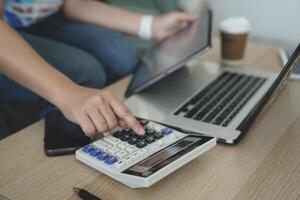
<point x="110" y="160"/>
<point x="102" y="156"/>
<point x="95" y="153"/>
<point x="166" y="131"/>
<point x="88" y="148"/>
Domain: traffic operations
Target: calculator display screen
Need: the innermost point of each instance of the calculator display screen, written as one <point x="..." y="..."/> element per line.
<point x="164" y="157"/>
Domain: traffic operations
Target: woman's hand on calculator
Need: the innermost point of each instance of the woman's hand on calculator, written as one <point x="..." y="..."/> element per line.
<point x="96" y="111"/>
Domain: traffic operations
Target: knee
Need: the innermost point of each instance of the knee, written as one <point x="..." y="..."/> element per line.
<point x="92" y="73"/>
<point x="118" y="55"/>
<point x="123" y="62"/>
<point x="127" y="60"/>
<point x="88" y="71"/>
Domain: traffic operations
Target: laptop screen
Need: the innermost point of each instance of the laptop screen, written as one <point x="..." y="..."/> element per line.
<point x="172" y="54"/>
<point x="284" y="74"/>
<point x="274" y="90"/>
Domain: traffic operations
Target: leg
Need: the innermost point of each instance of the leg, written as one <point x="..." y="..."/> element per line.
<point x="111" y="48"/>
<point x="78" y="65"/>
<point x="20" y="107"/>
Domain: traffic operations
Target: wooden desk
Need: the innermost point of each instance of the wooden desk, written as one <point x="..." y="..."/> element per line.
<point x="264" y="165"/>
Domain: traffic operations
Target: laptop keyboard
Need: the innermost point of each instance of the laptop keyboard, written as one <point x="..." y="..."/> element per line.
<point x="220" y="101"/>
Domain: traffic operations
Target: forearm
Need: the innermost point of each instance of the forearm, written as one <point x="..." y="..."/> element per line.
<point x="99" y="13"/>
<point x="21" y="63"/>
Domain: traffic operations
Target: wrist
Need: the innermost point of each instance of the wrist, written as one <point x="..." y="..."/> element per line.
<point x="155" y="29"/>
<point x="145" y="29"/>
<point x="62" y="92"/>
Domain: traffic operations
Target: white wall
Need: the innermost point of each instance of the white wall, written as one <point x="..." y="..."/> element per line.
<point x="273" y="21"/>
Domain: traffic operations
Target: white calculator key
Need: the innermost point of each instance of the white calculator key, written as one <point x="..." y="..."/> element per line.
<point x="131" y="149"/>
<point x="120" y="164"/>
<point x="112" y="140"/>
<point x="123" y="145"/>
<point x="121" y="154"/>
<point x="102" y="145"/>
<point x="135" y="155"/>
<point x="142" y="151"/>
<point x="113" y="150"/>
<point x="128" y="159"/>
<point x="175" y="135"/>
<point x="159" y="143"/>
<point x="167" y="139"/>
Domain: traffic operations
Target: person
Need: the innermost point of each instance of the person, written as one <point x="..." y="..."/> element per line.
<point x="58" y="54"/>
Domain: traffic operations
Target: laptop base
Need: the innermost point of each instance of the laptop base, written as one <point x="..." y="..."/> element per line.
<point x="159" y="102"/>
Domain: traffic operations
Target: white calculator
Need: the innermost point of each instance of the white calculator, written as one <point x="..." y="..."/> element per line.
<point x="141" y="161"/>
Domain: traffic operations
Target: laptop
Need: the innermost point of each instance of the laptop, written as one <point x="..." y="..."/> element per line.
<point x="220" y="102"/>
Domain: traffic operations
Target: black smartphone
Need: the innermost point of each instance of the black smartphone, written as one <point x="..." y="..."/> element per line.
<point x="62" y="137"/>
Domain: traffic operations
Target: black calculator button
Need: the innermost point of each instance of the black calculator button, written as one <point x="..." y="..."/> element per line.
<point x="141" y="144"/>
<point x="125" y="137"/>
<point x="141" y="137"/>
<point x="127" y="130"/>
<point x="132" y="140"/>
<point x="157" y="135"/>
<point x="149" y="139"/>
<point x="117" y="134"/>
<point x="150" y="131"/>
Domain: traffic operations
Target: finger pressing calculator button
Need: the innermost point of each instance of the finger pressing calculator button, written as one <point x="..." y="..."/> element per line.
<point x="112" y="140"/>
<point x="102" y="156"/>
<point x="144" y="122"/>
<point x="102" y="145"/>
<point x="110" y="160"/>
<point x="141" y="144"/>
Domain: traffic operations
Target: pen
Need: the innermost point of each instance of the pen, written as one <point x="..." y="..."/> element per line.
<point x="85" y="194"/>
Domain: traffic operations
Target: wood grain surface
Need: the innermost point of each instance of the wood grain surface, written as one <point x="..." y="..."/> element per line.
<point x="264" y="165"/>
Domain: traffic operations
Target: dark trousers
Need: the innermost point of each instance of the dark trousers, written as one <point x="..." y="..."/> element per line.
<point x="90" y="55"/>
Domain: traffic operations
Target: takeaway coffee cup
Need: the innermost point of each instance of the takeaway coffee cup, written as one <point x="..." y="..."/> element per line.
<point x="234" y="34"/>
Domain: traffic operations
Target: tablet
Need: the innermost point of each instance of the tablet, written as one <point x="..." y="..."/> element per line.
<point x="172" y="54"/>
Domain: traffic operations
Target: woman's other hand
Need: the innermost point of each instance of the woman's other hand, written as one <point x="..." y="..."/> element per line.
<point x="166" y="25"/>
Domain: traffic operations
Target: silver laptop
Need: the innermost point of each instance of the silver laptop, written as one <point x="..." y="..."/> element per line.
<point x="220" y="102"/>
